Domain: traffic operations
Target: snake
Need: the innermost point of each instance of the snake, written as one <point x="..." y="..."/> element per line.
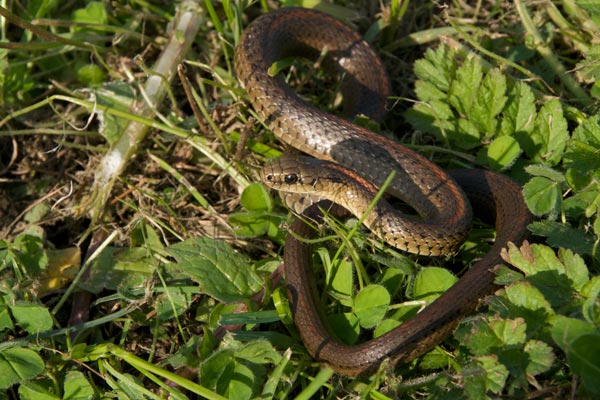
<point x="344" y="164"/>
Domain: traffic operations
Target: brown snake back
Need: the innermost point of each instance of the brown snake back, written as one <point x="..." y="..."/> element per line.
<point x="420" y="183"/>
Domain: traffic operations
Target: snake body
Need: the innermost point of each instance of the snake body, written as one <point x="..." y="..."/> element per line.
<point x="440" y="198"/>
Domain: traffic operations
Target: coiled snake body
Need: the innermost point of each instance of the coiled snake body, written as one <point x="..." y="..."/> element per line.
<point x="437" y="196"/>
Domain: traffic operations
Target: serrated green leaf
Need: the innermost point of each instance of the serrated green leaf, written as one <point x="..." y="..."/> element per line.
<point x="434" y="117"/>
<point x="438" y="67"/>
<point x="503" y="152"/>
<point x="478" y="337"/>
<point x="589" y="68"/>
<point x="463" y="90"/>
<point x="545" y="271"/>
<point x="484" y="374"/>
<point x="18" y="365"/>
<point x="521" y="299"/>
<point x="466" y="136"/>
<point x="545" y="172"/>
<point x="541" y="357"/>
<point x="431" y="282"/>
<point x="548" y="141"/>
<point x="519" y="112"/>
<point x="543" y="196"/>
<point x="562" y="235"/>
<point x="220" y="271"/>
<point x="510" y="332"/>
<point x="490" y="100"/>
<point x="370" y="305"/>
<point x="575" y="268"/>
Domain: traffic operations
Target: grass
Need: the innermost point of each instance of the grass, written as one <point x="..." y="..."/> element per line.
<point x="139" y="256"/>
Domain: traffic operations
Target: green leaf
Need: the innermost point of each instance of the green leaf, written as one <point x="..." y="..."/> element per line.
<point x="91" y="75"/>
<point x="580" y="340"/>
<point x="340" y="280"/>
<point x="510" y="331"/>
<point x="543" y="196"/>
<point x="503" y="152"/>
<point x="546" y="271"/>
<point x="41" y="389"/>
<point x="77" y="387"/>
<point x="255" y="197"/>
<point x="120" y="269"/>
<point x="93" y="13"/>
<point x="548" y="141"/>
<point x="345" y="326"/>
<point x="431" y="282"/>
<point x="385" y="326"/>
<point x="220" y="271"/>
<point x="562" y="235"/>
<point x="484" y="374"/>
<point x="117" y="95"/>
<point x="30" y="253"/>
<point x="489" y="103"/>
<point x="31" y="317"/>
<point x="463" y="90"/>
<point x="371" y="304"/>
<point x="259" y="352"/>
<point x="519" y="113"/>
<point x="541" y="357"/>
<point x="18" y="365"/>
<point x="477" y="336"/>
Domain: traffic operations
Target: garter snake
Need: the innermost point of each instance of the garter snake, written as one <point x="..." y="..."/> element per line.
<point x="443" y="200"/>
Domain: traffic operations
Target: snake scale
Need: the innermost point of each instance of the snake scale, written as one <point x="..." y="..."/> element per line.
<point x="445" y="201"/>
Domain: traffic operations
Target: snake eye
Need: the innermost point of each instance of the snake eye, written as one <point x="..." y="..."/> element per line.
<point x="290" y="179"/>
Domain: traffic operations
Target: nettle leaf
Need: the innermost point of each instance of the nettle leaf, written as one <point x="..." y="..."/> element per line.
<point x="490" y="100"/>
<point x="438" y="67"/>
<point x="220" y="271"/>
<point x="519" y="113"/>
<point x="588" y="70"/>
<point x="434" y="117"/>
<point x="463" y="90"/>
<point x="371" y="304"/>
<point x="548" y="141"/>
